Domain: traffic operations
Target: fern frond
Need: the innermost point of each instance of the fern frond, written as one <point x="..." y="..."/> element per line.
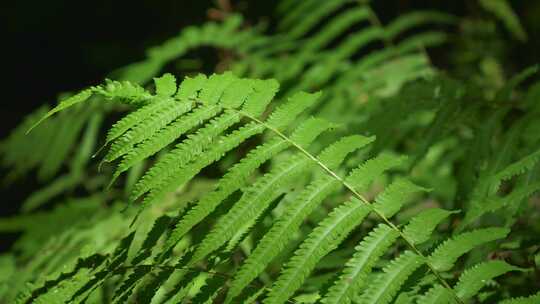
<point x="224" y="34"/>
<point x="174" y="177"/>
<point x="335" y="28"/>
<point x="485" y="198"/>
<point x="164" y="137"/>
<point x="274" y="241"/>
<point x="165" y="85"/>
<point x="390" y="201"/>
<point x="237" y="176"/>
<point x="265" y="205"/>
<point x="386" y="285"/>
<point x="65" y="137"/>
<point x="195" y="144"/>
<point x="318" y="13"/>
<point x="523" y="300"/>
<point x="503" y="10"/>
<point x="64" y="104"/>
<point x="368" y="252"/>
<point x="59" y="185"/>
<point x="221" y="113"/>
<point x="323" y="239"/>
<point x="133" y="118"/>
<point x="253" y="202"/>
<point x="523" y="165"/>
<point x="422" y="225"/>
<point x="437" y="295"/>
<point x="188" y="89"/>
<point x="165" y="113"/>
<point x="361" y="177"/>
<point x="407" y="21"/>
<point x="333" y="155"/>
<point x="284" y="115"/>
<point x="494" y="203"/>
<point x="233" y="96"/>
<point x="178" y="174"/>
<point x="280" y="233"/>
<point x="446" y="254"/>
<point x="124" y="91"/>
<point x="473" y="279"/>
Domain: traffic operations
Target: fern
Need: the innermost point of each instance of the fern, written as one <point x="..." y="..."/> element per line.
<point x="332" y="231"/>
<point x="359" y="266"/>
<point x="472" y="280"/>
<point x="444" y="257"/>
<point x="323" y="239"/>
<point x="244" y="188"/>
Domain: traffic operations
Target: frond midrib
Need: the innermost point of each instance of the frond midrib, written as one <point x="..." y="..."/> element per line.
<point x="351" y="189"/>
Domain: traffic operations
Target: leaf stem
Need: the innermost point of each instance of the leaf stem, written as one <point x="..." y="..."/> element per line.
<point x="357" y="195"/>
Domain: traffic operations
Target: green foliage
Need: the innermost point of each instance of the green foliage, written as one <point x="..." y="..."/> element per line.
<point x="242" y="187"/>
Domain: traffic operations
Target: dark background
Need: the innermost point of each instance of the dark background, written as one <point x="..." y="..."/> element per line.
<point x="58" y="45"/>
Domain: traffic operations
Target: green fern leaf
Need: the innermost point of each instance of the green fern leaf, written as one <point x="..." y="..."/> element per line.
<point x="280" y="233"/>
<point x="361" y="177"/>
<point x="297" y="104"/>
<point x="354" y="276"/>
<point x="446" y="254"/>
<point x="491" y="204"/>
<point x="64" y="104"/>
<point x="165" y="85"/>
<point x="323" y="239"/>
<point x="264" y="92"/>
<point x="421" y="226"/>
<point x="233" y="97"/>
<point x="390" y="201"/>
<point x="164" y="137"/>
<point x="473" y="279"/>
<point x="215" y="86"/>
<point x="196" y="143"/>
<point x="190" y="87"/>
<point x="503" y="10"/>
<point x="134" y="118"/>
<point x="186" y="151"/>
<point x="181" y="172"/>
<point x="533" y="299"/>
<point x="173" y="171"/>
<point x="319" y="12"/>
<point x="386" y="285"/>
<point x="237" y="176"/>
<point x="336" y="27"/>
<point x="124" y="91"/>
<point x="165" y="113"/>
<point x="407" y="21"/>
<point x="356" y="42"/>
<point x="437" y="295"/>
<point x="275" y="240"/>
<point x="164" y="117"/>
<point x="334" y="155"/>
<point x="523" y="165"/>
<point x="253" y="202"/>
